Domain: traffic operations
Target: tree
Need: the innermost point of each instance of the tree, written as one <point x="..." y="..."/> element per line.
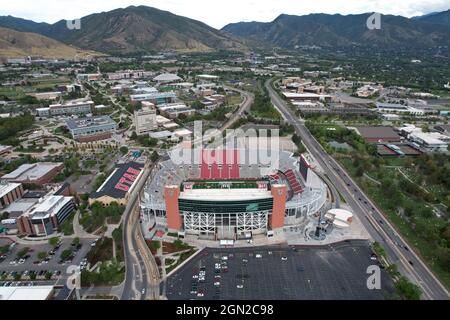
<point x="53" y="241"/>
<point x="123" y="150"/>
<point x="66" y="254"/>
<point x="41" y="255"/>
<point x="407" y="289"/>
<point x="154" y="157"/>
<point x="23" y="252"/>
<point x="76" y="241"/>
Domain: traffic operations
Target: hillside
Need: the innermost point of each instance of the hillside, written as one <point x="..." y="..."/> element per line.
<point x="340" y="31"/>
<point x="442" y="18"/>
<point x="20" y="44"/>
<point x="134" y="29"/>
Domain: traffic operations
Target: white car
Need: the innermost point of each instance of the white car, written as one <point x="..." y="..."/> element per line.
<point x="258" y="256"/>
<point x="224" y="258"/>
<point x="240" y="286"/>
<point x="283" y="258"/>
<point x="217" y="284"/>
<point x="195" y="276"/>
<point x="200" y="294"/>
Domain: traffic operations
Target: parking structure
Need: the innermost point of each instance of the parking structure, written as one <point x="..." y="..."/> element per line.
<point x="336" y="271"/>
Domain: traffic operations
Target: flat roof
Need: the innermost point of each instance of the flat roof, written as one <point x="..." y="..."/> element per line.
<point x="225" y="194"/>
<point x="378" y="132"/>
<point x="26" y="293"/>
<point x="114" y="187"/>
<point x="32" y="171"/>
<point x="7" y="187"/>
<point x="89" y="122"/>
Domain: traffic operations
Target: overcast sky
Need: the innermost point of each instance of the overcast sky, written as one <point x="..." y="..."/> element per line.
<point x="218" y="13"/>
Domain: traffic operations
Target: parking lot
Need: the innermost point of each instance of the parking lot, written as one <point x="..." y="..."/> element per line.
<point x="11" y="265"/>
<point x="279" y="272"/>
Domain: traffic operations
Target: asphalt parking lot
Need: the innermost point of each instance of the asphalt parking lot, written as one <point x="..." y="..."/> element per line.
<point x="281" y="272"/>
<point x="53" y="264"/>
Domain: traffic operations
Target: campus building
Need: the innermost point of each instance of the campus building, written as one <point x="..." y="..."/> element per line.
<point x="91" y="129"/>
<point x="67" y="109"/>
<point x="145" y="119"/>
<point x="45" y="217"/>
<point x="119" y="185"/>
<point x="154" y="97"/>
<point x="35" y="173"/>
<point x="9" y="192"/>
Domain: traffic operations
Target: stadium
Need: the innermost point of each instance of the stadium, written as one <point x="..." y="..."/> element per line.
<point x="232" y="199"/>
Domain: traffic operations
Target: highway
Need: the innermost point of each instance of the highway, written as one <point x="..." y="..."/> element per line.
<point x="379" y="228"/>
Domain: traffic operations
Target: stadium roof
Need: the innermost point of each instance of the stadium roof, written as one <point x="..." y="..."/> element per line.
<point x="225" y="194"/>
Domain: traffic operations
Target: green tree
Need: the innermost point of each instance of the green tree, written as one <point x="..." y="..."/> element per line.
<point x="23" y="252"/>
<point x="66" y="254"/>
<point x="76" y="241"/>
<point x="41" y="255"/>
<point x="407" y="289"/>
<point x="154" y="157"/>
<point x="53" y="241"/>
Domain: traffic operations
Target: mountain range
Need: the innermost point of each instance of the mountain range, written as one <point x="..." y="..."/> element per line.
<point x="336" y="30"/>
<point x="22" y="44"/>
<point x="131" y="30"/>
<point x="144" y="29"/>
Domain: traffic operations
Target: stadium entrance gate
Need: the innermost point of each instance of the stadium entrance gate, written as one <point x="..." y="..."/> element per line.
<point x="225" y="233"/>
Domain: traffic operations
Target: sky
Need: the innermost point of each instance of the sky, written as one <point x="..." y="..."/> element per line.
<point x="218" y="13"/>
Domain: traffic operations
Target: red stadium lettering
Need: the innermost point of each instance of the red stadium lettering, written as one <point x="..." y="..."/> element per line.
<point x="122" y="187"/>
<point x="133" y="171"/>
<point x="125" y="181"/>
<point x="130" y="177"/>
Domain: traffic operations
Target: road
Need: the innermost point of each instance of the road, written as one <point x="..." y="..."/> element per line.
<point x="141" y="272"/>
<point x="379" y="228"/>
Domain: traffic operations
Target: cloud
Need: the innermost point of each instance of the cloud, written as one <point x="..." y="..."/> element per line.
<point x="219" y="13"/>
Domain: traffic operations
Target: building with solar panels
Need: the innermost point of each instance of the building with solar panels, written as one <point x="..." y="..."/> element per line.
<point x="232" y="199"/>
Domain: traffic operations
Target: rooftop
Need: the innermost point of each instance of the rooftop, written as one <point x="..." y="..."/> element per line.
<point x="113" y="186"/>
<point x="167" y="77"/>
<point x="89" y="122"/>
<point x="31" y="171"/>
<point x="7" y="187"/>
<point x="26" y="293"/>
<point x="378" y="132"/>
<point x="225" y="194"/>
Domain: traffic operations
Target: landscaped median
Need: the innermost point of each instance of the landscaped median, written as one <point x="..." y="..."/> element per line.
<point x="174" y="253"/>
<point x="405" y="288"/>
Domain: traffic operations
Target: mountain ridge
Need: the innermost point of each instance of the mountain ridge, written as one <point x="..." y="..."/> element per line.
<point x="335" y="30"/>
<point x="133" y="29"/>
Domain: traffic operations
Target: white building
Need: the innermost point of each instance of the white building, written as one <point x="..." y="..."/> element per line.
<point x="429" y="140"/>
<point x="399" y="108"/>
<point x="145" y="119"/>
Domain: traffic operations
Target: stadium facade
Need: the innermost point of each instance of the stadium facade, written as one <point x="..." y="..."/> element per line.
<point x="232" y="201"/>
